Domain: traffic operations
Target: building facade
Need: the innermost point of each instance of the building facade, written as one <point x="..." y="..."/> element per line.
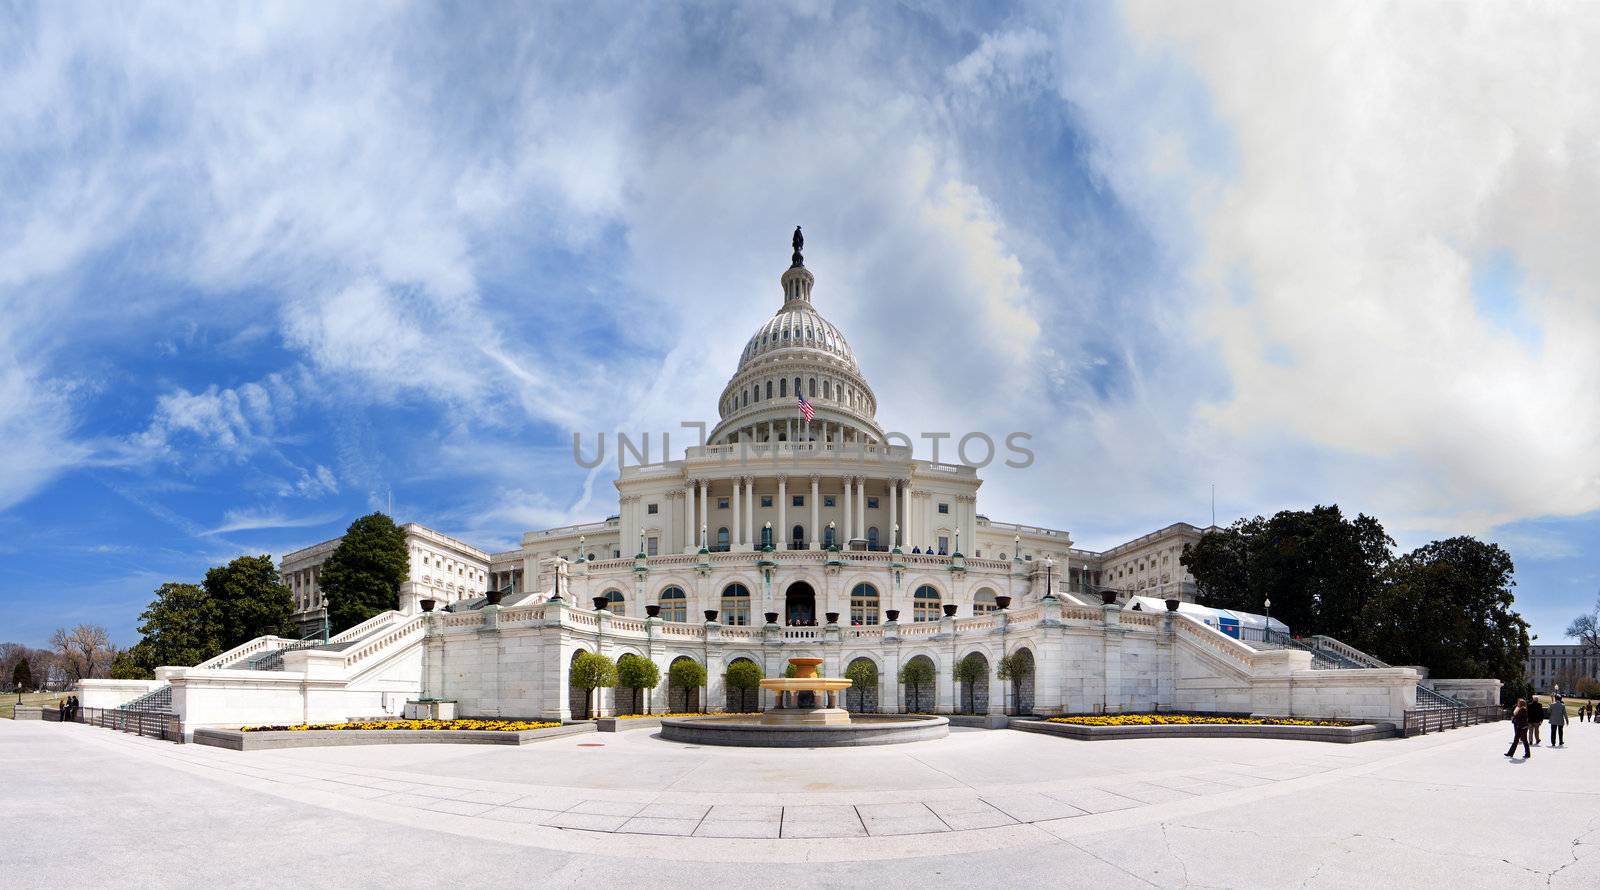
<point x="1558" y="668"/>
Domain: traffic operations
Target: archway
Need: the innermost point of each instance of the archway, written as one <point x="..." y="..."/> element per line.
<point x="861" y="699"/>
<point x="681" y="699"/>
<point x="739" y="701"/>
<point x="577" y="697"/>
<point x="973" y="672"/>
<point x="797" y="538"/>
<point x="800" y="605"/>
<point x="919" y="692"/>
<point x="1022" y="681"/>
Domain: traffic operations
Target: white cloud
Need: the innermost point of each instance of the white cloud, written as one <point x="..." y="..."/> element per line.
<point x="251" y="520"/>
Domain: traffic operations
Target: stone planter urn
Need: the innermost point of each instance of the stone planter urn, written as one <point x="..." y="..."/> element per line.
<point x="494" y="597"/>
<point x="711" y="614"/>
<point x="599" y="603"/>
<point x="1002" y="602"/>
<point x="772" y="617"/>
<point x="1172" y="605"/>
<point x="833" y="617"/>
<point x="1109" y="598"/>
<point x="950" y="610"/>
<point x="653" y="610"/>
<point x="427" y="605"/>
<point x="892" y="614"/>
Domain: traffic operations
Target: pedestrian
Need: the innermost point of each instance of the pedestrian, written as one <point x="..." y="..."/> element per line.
<point x="1535" y="717"/>
<point x="1519" y="729"/>
<point x="61" y="711"/>
<point x="1558" y="723"/>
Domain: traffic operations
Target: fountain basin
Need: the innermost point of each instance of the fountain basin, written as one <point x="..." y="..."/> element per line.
<point x="873" y="729"/>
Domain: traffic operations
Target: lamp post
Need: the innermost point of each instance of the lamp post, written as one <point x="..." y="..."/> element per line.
<point x="1049" y="570"/>
<point x="1266" y="632"/>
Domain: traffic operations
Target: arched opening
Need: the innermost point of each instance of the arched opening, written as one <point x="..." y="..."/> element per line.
<point x="577" y="697"/>
<point x="681" y="699"/>
<point x="864" y="605"/>
<point x="615" y="603"/>
<point x="973" y="673"/>
<point x="983" y="601"/>
<point x="925" y="604"/>
<point x="863" y="696"/>
<point x="740" y="700"/>
<point x="800" y="605"/>
<point x="722" y="540"/>
<point x="918" y="677"/>
<point x="629" y="701"/>
<point x="797" y="538"/>
<point x="736" y="605"/>
<point x="827" y="536"/>
<point x="1021" y="680"/>
<point x="872" y="538"/>
<point x="674" y="604"/>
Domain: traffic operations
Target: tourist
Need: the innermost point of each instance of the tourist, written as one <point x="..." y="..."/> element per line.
<point x="1519" y="729"/>
<point x="1558" y="723"/>
<point x="1535" y="717"/>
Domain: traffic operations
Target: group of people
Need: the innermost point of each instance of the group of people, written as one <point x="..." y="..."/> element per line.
<point x="68" y="708"/>
<point x="1529" y="716"/>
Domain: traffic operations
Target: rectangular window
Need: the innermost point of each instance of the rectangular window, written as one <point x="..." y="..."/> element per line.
<point x="722" y="503"/>
<point x="650" y="508"/>
<point x="944" y="546"/>
<point x="827" y="500"/>
<point x="872" y="503"/>
<point x="650" y="545"/>
<point x="944" y="508"/>
<point x="798" y="501"/>
<point x="616" y="554"/>
<point x="766" y="500"/>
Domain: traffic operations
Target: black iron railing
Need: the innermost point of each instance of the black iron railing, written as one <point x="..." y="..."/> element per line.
<point x="1424" y="721"/>
<point x="155" y="726"/>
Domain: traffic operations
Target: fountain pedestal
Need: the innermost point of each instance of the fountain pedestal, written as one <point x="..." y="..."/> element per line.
<point x="792" y="710"/>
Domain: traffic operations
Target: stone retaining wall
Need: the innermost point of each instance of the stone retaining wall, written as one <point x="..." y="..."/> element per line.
<point x="319" y="738"/>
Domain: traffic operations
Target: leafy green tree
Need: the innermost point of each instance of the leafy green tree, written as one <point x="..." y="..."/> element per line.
<point x="1014" y="668"/>
<point x="591" y="671"/>
<point x="637" y="674"/>
<point x="182" y="627"/>
<point x="971" y="671"/>
<point x="863" y="675"/>
<point x="1448" y="606"/>
<point x="362" y="577"/>
<point x="22" y="677"/>
<point x="130" y="664"/>
<point x="1318" y="568"/>
<point x="743" y="675"/>
<point x="914" y="674"/>
<point x="689" y="675"/>
<point x="249" y="600"/>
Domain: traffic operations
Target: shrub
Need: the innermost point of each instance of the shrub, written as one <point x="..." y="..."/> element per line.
<point x="743" y="675"/>
<point x="637" y="674"/>
<point x="686" y="673"/>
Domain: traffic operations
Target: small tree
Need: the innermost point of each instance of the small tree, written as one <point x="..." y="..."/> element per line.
<point x="86" y="650"/>
<point x="916" y="672"/>
<point x="591" y="671"/>
<point x="687" y="674"/>
<point x="1014" y="668"/>
<point x="863" y="675"/>
<point x="22" y="677"/>
<point x="362" y="577"/>
<point x="971" y="671"/>
<point x="743" y="675"/>
<point x="637" y="674"/>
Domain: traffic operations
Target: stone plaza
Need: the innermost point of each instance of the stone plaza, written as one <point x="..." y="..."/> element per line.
<point x="979" y="806"/>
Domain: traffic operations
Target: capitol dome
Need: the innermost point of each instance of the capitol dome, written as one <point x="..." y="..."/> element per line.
<point x="797" y="352"/>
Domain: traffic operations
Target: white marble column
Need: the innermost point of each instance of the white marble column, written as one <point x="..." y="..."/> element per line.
<point x="782" y="542"/>
<point x="816" y="532"/>
<point x="750" y="509"/>
<point x="861" y="506"/>
<point x="688" y="516"/>
<point x="894" y="510"/>
<point x="849" y="515"/>
<point x="736" y="534"/>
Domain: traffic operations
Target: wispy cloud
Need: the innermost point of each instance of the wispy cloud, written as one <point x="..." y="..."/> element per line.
<point x="251" y="520"/>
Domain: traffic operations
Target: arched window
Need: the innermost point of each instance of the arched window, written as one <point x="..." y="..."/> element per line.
<point x="674" y="605"/>
<point x="736" y="605"/>
<point x="864" y="605"/>
<point x="615" y="604"/>
<point x="872" y="538"/>
<point x="797" y="539"/>
<point x="828" y="537"/>
<point x="769" y="389"/>
<point x="797" y="389"/>
<point x="813" y="387"/>
<point x="925" y="604"/>
<point x="722" y="539"/>
<point x="783" y="387"/>
<point x="983" y="601"/>
<point x="827" y="389"/>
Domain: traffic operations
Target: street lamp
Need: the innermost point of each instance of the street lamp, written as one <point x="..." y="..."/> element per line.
<point x="1266" y="632"/>
<point x="1049" y="577"/>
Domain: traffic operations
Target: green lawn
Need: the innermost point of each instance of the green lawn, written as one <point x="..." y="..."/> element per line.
<point x="8" y="701"/>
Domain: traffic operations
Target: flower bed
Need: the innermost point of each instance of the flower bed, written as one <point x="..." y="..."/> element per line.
<point x="483" y="725"/>
<point x="1192" y="720"/>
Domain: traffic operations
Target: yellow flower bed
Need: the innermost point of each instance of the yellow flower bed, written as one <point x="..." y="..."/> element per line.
<point x="1191" y="720"/>
<point x="490" y="725"/>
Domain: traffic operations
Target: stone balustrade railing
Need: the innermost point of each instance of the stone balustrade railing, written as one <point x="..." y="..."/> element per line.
<point x="365" y="627"/>
<point x="245" y="650"/>
<point x="394" y="637"/>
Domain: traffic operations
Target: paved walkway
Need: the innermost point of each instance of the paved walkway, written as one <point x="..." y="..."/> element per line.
<point x="1445" y="809"/>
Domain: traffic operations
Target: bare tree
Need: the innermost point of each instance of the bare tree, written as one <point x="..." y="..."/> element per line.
<point x="86" y="651"/>
<point x="1586" y="629"/>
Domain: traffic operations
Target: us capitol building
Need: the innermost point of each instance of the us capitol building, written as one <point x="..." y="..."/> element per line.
<point x="798" y="529"/>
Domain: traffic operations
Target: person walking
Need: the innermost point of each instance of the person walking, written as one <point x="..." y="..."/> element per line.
<point x="1535" y="717"/>
<point x="1558" y="723"/>
<point x="1519" y="729"/>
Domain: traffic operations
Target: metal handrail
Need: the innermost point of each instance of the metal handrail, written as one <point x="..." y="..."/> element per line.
<point x="166" y="727"/>
<point x="1426" y="720"/>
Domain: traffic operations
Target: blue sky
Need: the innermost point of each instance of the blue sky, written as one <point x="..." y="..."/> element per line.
<point x="263" y="270"/>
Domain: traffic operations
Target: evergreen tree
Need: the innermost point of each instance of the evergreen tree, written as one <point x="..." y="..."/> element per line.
<point x="971" y="671"/>
<point x="181" y="627"/>
<point x="688" y="675"/>
<point x="743" y="675"/>
<point x="22" y="676"/>
<point x="248" y="600"/>
<point x="362" y="576"/>
<point x="638" y="674"/>
<point x="591" y="671"/>
<point x="915" y="674"/>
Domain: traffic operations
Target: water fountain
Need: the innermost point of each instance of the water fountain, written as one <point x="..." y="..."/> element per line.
<point x="806" y="714"/>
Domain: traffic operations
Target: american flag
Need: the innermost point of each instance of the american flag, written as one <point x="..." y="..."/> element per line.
<point x="806" y="410"/>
